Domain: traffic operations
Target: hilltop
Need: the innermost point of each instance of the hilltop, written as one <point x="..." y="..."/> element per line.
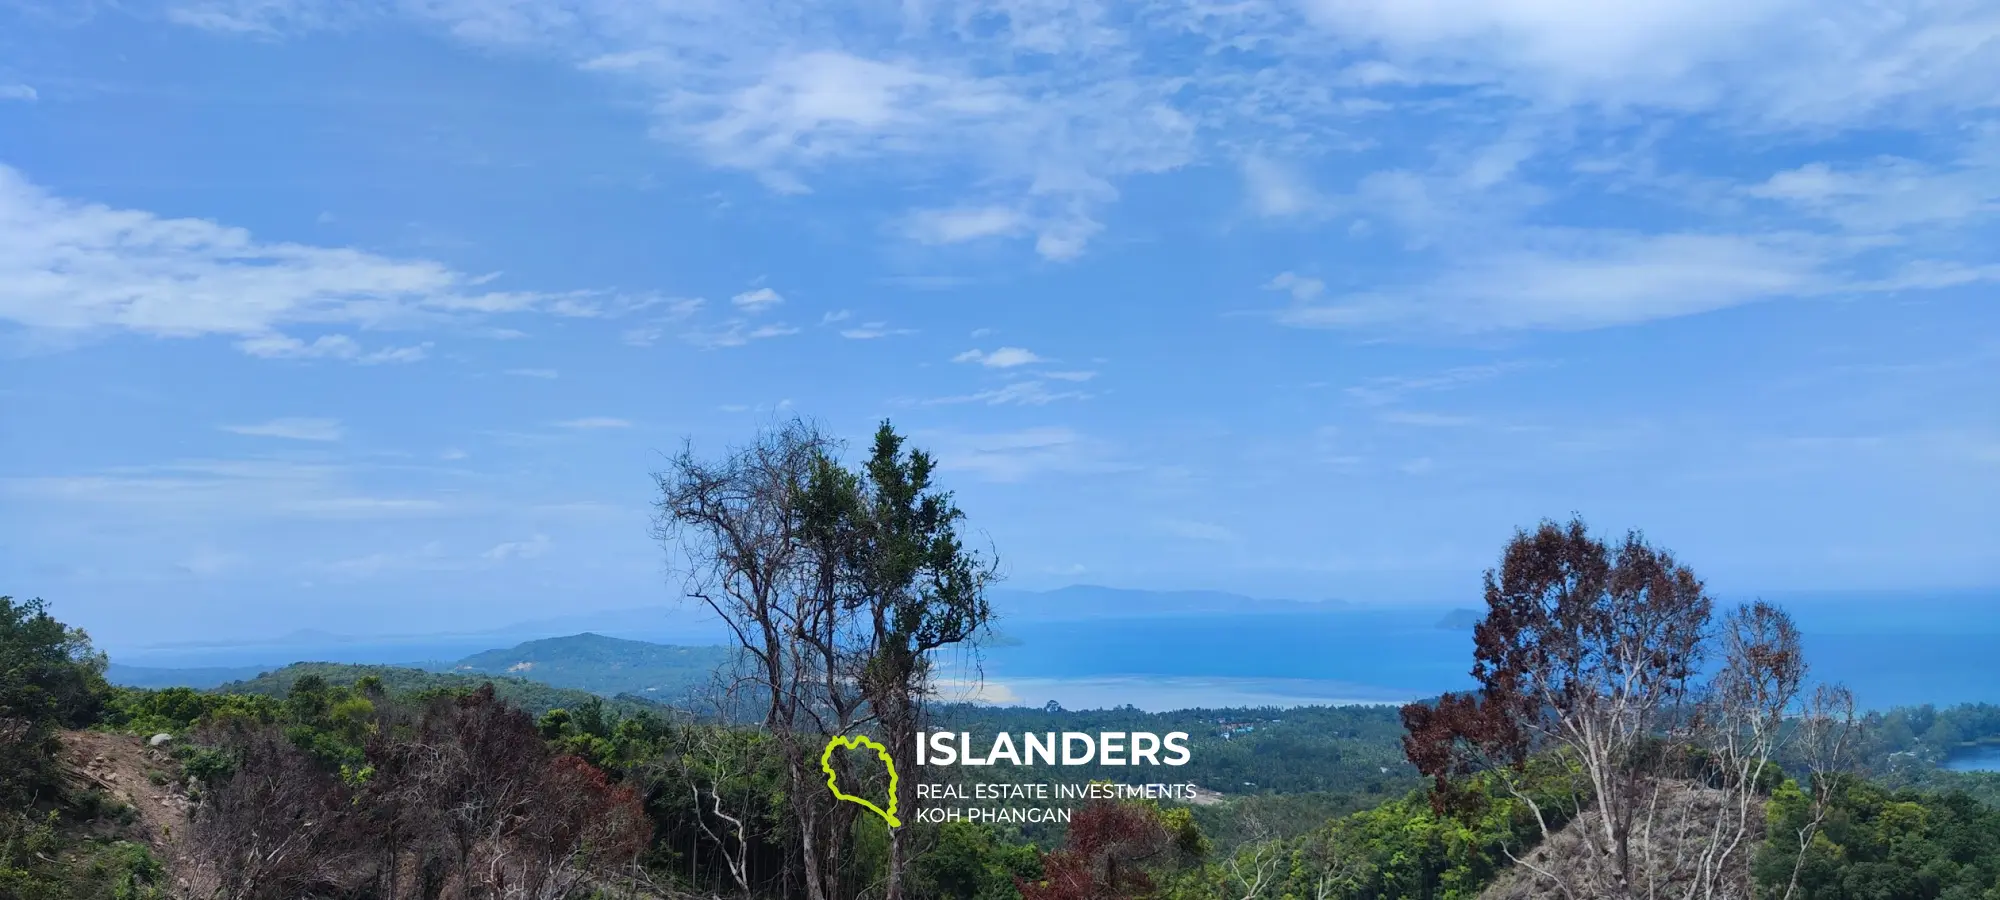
<point x="604" y="665"/>
<point x="534" y="696"/>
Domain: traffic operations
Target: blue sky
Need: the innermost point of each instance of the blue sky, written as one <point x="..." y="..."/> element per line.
<point x="375" y="315"/>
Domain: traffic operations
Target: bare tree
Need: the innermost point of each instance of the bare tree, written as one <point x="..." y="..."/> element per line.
<point x="739" y="529"/>
<point x="1825" y="736"/>
<point x="276" y="828"/>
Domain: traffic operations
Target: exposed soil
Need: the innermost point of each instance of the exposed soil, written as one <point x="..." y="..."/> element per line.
<point x="125" y="769"/>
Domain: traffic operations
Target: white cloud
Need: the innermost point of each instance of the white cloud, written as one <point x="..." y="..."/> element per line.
<point x="19" y="92"/>
<point x="1784" y="61"/>
<point x="872" y="330"/>
<point x="592" y="423"/>
<point x="297" y="429"/>
<point x="1070" y="376"/>
<point x="1578" y="281"/>
<point x="331" y="346"/>
<point x="1425" y="419"/>
<point x="1019" y="455"/>
<point x="1041" y="111"/>
<point x="737" y="334"/>
<point x="225" y="489"/>
<point x="1301" y="288"/>
<point x="1018" y="393"/>
<point x="954" y="226"/>
<point x="73" y="267"/>
<point x="1389" y="389"/>
<point x="1003" y="358"/>
<point x="758" y="300"/>
<point x="836" y="316"/>
<point x="528" y="549"/>
<point x="1196" y="531"/>
<point x="1890" y="194"/>
<point x="1277" y="191"/>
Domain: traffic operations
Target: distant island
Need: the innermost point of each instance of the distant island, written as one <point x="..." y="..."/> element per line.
<point x="1459" y="620"/>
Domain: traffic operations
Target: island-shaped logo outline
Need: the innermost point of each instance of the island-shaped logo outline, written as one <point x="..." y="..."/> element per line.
<point x="832" y="779"/>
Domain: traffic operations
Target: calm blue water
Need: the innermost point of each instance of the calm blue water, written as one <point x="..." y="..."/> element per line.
<point x="1984" y="759"/>
<point x="1389" y="655"/>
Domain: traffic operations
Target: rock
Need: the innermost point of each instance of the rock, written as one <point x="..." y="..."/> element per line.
<point x="159" y="739"/>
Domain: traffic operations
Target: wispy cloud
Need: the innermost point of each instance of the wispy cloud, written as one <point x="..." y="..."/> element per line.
<point x="1390" y="389"/>
<point x="1002" y="358"/>
<point x="1011" y="456"/>
<point x="593" y="423"/>
<point x="791" y="92"/>
<point x="1018" y="393"/>
<point x="296" y="429"/>
<point x="757" y="300"/>
<point x="872" y="330"/>
<point x="19" y="92"/>
<point x="1585" y="281"/>
<point x="1187" y="529"/>
<point x="528" y="549"/>
<point x="227" y="490"/>
<point x="737" y="334"/>
<point x="73" y="267"/>
<point x="1278" y="191"/>
<point x="546" y="374"/>
<point x="954" y="226"/>
<point x="1425" y="419"/>
<point x="331" y="346"/>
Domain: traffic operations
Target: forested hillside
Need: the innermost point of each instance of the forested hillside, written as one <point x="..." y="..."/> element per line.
<point x="534" y="696"/>
<point x="607" y="666"/>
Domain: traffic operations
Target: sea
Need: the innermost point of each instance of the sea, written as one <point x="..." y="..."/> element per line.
<point x="1982" y="759"/>
<point x="1888" y="656"/>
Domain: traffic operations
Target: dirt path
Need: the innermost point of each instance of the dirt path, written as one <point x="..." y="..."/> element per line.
<point x="124" y="768"/>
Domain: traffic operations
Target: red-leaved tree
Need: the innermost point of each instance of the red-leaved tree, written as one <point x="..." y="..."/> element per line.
<point x="1104" y="856"/>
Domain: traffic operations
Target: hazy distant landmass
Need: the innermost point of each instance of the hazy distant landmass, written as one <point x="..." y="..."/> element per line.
<point x="1460" y="620"/>
<point x="603" y="665"/>
<point x="590" y="663"/>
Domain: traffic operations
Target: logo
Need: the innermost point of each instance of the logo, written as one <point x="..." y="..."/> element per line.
<point x="833" y="780"/>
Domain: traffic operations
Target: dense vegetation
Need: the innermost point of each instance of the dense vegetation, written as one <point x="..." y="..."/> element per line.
<point x="1876" y="842"/>
<point x="51" y="679"/>
<point x="535" y="696"/>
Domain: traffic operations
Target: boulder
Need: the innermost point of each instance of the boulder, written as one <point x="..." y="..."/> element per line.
<point x="159" y="739"/>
